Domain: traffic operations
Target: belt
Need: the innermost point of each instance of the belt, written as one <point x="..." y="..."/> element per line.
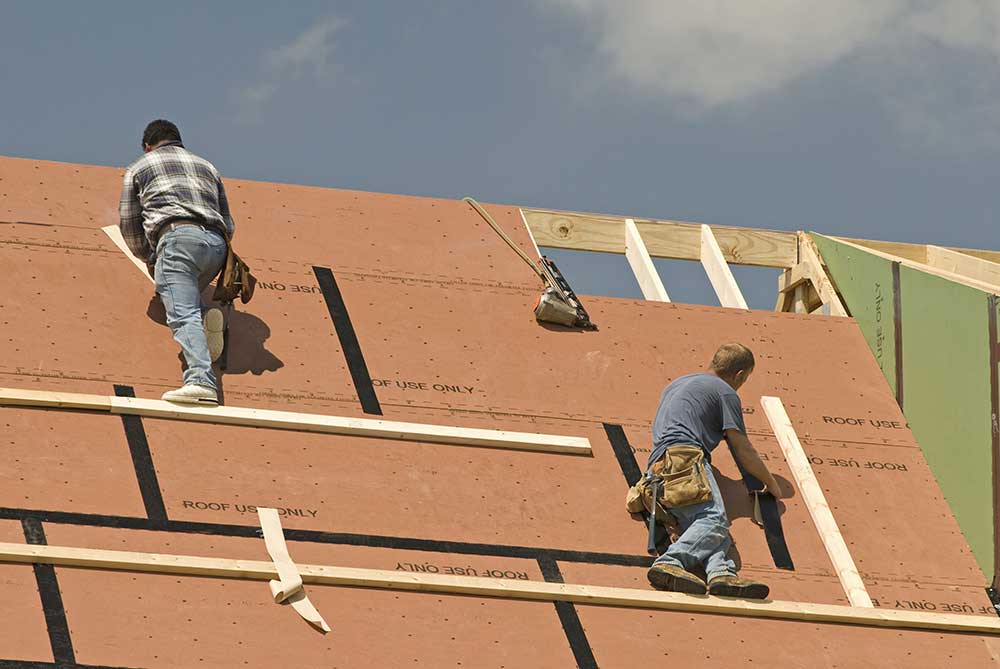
<point x="173" y="225"/>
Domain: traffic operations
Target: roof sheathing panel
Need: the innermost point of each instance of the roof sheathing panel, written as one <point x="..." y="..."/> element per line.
<point x="442" y="311"/>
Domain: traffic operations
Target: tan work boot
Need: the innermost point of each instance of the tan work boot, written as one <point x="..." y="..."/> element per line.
<point x="663" y="576"/>
<point x="729" y="585"/>
<point x="192" y="394"/>
<point x="215" y="325"/>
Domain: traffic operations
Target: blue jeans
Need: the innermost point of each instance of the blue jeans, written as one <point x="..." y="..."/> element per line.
<point x="187" y="259"/>
<point x="704" y="536"/>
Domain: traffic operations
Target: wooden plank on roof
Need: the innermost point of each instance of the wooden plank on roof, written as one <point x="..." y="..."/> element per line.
<point x="303" y="422"/>
<point x="593" y="595"/>
<point x="815" y="501"/>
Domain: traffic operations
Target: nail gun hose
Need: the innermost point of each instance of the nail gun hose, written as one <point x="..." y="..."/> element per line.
<point x="503" y="235"/>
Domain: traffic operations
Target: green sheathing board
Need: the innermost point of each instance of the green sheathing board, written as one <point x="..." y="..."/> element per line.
<point x="947" y="399"/>
<point x="945" y="373"/>
<point x="865" y="282"/>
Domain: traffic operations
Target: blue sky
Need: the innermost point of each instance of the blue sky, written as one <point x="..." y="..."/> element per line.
<point x="867" y="119"/>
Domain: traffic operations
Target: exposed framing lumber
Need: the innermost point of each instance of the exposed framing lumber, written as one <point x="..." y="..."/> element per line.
<point x="642" y="265"/>
<point x="815" y="501"/>
<point x="918" y="252"/>
<point x="972" y="267"/>
<point x="923" y="267"/>
<point x="806" y="288"/>
<point x="719" y="273"/>
<point x="681" y="240"/>
<point x="285" y="420"/>
<point x="89" y="558"/>
<point x="817" y="274"/>
<point x="663" y="239"/>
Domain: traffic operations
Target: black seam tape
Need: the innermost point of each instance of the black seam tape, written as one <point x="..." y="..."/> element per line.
<point x="316" y="536"/>
<point x="994" y="596"/>
<point x="33" y="664"/>
<point x="142" y="461"/>
<point x="348" y="340"/>
<point x="771" y="517"/>
<point x="630" y="469"/>
<point x="623" y="453"/>
<point x="569" y="618"/>
<point x="897" y="332"/>
<point x="52" y="604"/>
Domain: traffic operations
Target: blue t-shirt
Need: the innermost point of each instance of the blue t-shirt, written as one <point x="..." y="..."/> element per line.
<point x="695" y="410"/>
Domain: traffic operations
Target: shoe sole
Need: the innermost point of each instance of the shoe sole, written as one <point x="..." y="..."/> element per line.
<point x="661" y="580"/>
<point x="192" y="400"/>
<point x="754" y="591"/>
<point x="215" y="325"/>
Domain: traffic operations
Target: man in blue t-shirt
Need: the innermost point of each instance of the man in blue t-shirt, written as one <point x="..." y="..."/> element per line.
<point x="701" y="410"/>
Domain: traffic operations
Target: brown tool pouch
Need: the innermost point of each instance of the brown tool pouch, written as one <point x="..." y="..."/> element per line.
<point x="683" y="476"/>
<point x="235" y="280"/>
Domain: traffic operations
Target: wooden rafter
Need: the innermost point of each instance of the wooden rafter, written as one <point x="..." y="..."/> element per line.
<point x="642" y="265"/>
<point x="719" y="274"/>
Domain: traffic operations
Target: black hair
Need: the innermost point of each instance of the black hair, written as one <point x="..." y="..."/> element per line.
<point x="158" y="131"/>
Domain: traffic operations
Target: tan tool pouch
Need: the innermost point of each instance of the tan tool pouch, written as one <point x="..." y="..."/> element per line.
<point x="235" y="280"/>
<point x="633" y="498"/>
<point x="685" y="481"/>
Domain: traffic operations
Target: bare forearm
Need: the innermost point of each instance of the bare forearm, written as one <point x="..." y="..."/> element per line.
<point x="747" y="456"/>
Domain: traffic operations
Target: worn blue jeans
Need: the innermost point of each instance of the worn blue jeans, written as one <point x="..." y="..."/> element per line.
<point x="187" y="259"/>
<point x="704" y="536"/>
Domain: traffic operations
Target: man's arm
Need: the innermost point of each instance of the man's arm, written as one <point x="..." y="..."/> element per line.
<point x="747" y="456"/>
<point x="224" y="210"/>
<point x="130" y="214"/>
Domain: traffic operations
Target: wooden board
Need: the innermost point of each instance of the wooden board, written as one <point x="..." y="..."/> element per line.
<point x="286" y="420"/>
<point x="642" y="265"/>
<point x="663" y="239"/>
<point x="719" y="274"/>
<point x="187" y="565"/>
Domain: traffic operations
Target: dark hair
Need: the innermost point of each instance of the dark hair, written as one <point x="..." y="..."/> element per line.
<point x="158" y="131"/>
<point x="731" y="359"/>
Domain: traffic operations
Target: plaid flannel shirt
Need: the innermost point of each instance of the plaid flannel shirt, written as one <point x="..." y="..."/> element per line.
<point x="166" y="184"/>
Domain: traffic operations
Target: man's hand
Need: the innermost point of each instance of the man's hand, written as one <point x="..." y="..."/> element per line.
<point x="775" y="488"/>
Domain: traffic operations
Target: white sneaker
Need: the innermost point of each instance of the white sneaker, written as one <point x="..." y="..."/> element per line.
<point x="192" y="394"/>
<point x="215" y="326"/>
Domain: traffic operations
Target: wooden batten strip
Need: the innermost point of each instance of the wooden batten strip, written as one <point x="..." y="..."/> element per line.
<point x="815" y="501"/>
<point x="286" y="420"/>
<point x="63" y="556"/>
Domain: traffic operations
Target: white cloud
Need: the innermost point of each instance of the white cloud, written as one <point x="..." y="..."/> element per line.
<point x="308" y="55"/>
<point x="714" y="54"/>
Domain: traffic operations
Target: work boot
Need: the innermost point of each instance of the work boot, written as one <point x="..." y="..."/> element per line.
<point x="215" y="325"/>
<point x="192" y="394"/>
<point x="664" y="576"/>
<point x="729" y="585"/>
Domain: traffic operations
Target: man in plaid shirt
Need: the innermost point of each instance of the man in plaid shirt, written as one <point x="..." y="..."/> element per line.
<point x="175" y="216"/>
